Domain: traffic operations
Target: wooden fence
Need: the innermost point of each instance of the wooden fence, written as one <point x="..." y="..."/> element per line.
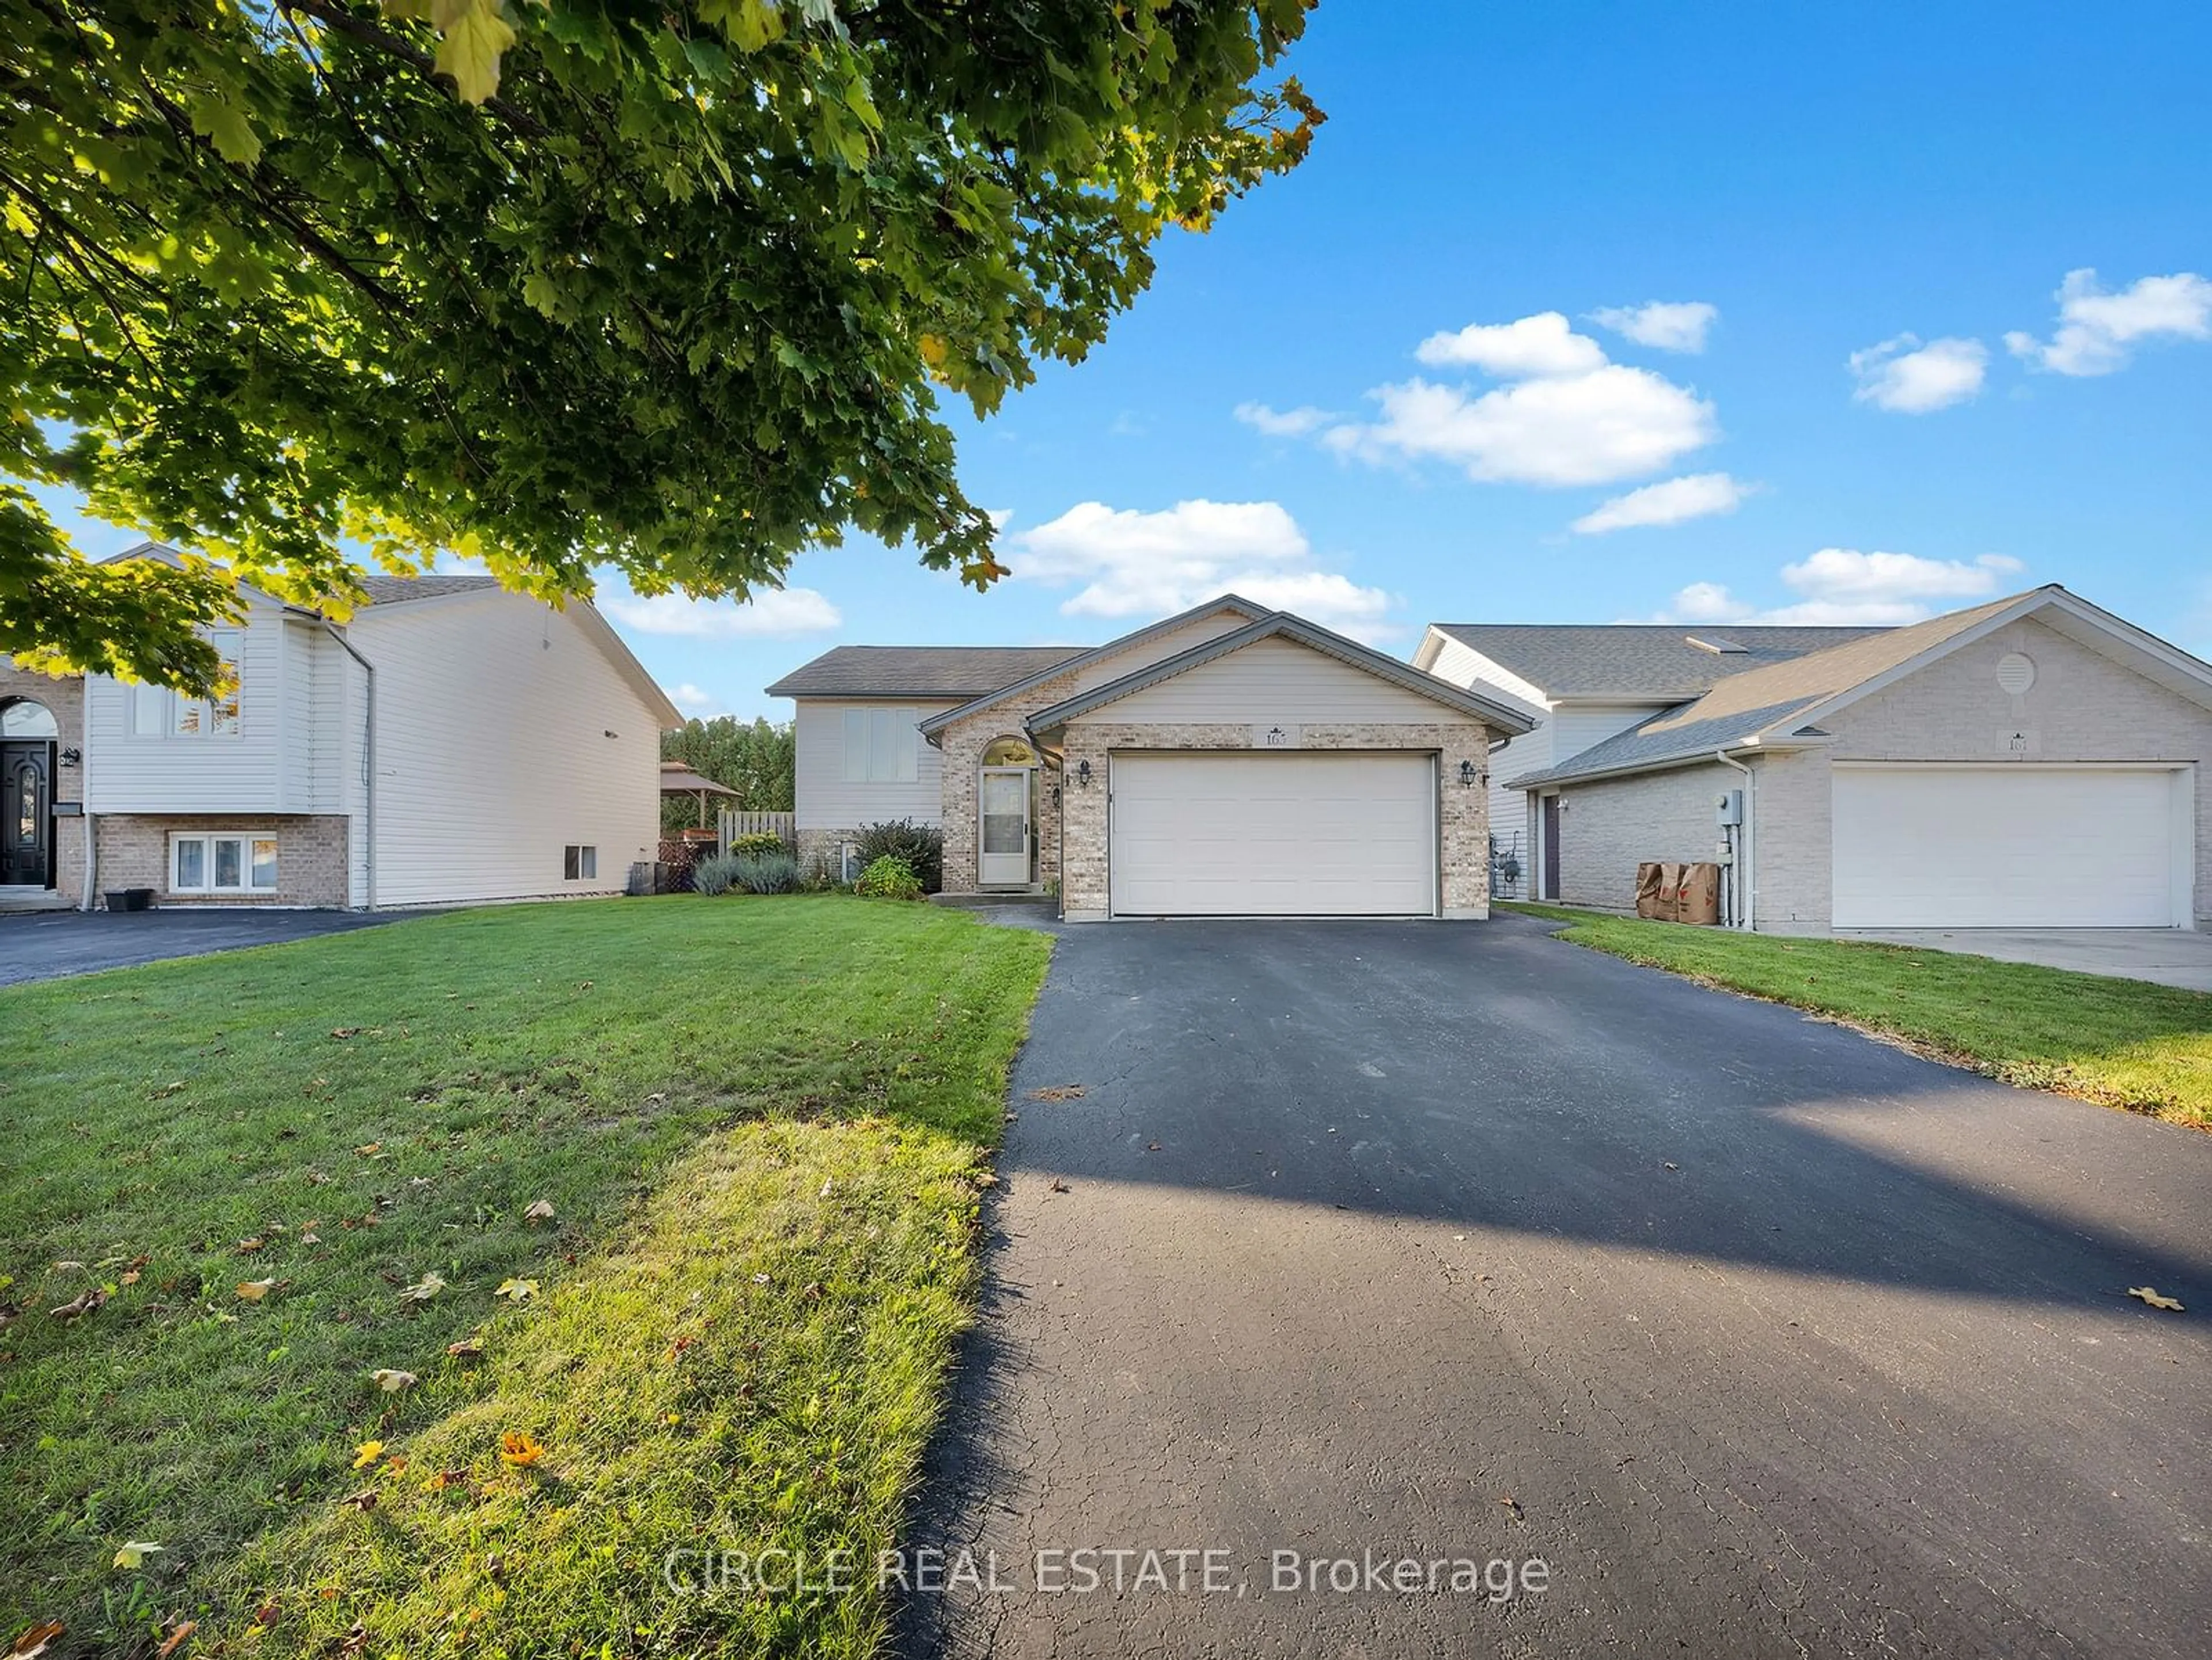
<point x="731" y="825"/>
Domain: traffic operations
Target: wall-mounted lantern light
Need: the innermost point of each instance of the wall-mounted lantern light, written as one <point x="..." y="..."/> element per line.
<point x="1467" y="775"/>
<point x="70" y="757"/>
<point x="1083" y="773"/>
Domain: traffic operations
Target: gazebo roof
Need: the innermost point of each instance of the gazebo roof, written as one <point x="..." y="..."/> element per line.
<point x="676" y="778"/>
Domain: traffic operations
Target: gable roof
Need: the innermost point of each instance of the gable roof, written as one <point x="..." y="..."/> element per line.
<point x="1780" y="703"/>
<point x="1638" y="660"/>
<point x="955" y="671"/>
<point x="1228" y="602"/>
<point x="1282" y="624"/>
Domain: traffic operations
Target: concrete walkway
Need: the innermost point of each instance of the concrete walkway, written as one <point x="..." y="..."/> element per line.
<point x="2166" y="957"/>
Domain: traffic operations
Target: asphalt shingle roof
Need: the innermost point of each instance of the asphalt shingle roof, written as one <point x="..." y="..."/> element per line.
<point x="956" y="671"/>
<point x="384" y="590"/>
<point x="1765" y="699"/>
<point x="1638" y="660"/>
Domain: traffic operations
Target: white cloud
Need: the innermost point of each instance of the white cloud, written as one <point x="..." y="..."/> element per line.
<point x="1544" y="344"/>
<point x="1905" y="376"/>
<point x="1284" y="423"/>
<point x="1134" y="564"/>
<point x="1841" y="586"/>
<point x="1694" y="495"/>
<point x="696" y="702"/>
<point x="1609" y="424"/>
<point x="771" y="613"/>
<point x="1667" y="325"/>
<point x="2097" y="327"/>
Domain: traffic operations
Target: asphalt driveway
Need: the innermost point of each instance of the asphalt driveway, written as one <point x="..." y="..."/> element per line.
<point x="52" y="944"/>
<point x="1429" y="1243"/>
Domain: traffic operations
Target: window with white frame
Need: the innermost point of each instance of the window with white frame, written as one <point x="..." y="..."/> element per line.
<point x="580" y="862"/>
<point x="882" y="746"/>
<point x="158" y="712"/>
<point x="222" y="862"/>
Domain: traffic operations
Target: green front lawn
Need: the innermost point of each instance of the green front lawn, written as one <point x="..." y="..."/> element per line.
<point x="2121" y="1042"/>
<point x="759" y="1126"/>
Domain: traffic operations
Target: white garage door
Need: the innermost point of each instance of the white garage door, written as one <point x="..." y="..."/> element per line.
<point x="2005" y="846"/>
<point x="1312" y="834"/>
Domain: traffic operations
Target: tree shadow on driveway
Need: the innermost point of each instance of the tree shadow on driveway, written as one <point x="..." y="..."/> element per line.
<point x="1768" y="1334"/>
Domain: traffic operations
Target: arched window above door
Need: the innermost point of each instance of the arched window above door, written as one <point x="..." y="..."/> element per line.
<point x="1009" y="752"/>
<point x="25" y="717"/>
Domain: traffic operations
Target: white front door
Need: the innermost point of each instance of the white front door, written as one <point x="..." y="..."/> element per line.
<point x="1003" y="844"/>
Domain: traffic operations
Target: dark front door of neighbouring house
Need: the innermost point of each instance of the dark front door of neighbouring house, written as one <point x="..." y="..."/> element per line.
<point x="1551" y="847"/>
<point x="27" y="814"/>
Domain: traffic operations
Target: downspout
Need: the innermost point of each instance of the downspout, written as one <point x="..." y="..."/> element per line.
<point x="368" y="758"/>
<point x="1746" y="864"/>
<point x="84" y="795"/>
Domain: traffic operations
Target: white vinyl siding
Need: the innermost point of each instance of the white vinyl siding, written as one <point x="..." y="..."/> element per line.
<point x="827" y="800"/>
<point x="1277" y="681"/>
<point x="2010" y="846"/>
<point x="1317" y="833"/>
<point x="505" y="736"/>
<point x="160" y="753"/>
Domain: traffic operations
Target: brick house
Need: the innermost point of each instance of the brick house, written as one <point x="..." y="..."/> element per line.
<point x="2033" y="762"/>
<point x="449" y="743"/>
<point x="1229" y="760"/>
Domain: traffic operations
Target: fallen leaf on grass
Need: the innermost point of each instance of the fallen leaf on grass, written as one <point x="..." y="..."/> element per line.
<point x="35" y="1642"/>
<point x="175" y="1639"/>
<point x="518" y="1451"/>
<point x="370" y="1149"/>
<point x="364" y="1500"/>
<point x="135" y="1553"/>
<point x="345" y="1032"/>
<point x="2150" y="1294"/>
<point x="130" y="1276"/>
<point x="247" y="1247"/>
<point x="1058" y="1092"/>
<point x="367" y="1454"/>
<point x="391" y="1380"/>
<point x="84" y="1305"/>
<point x="468" y="1348"/>
<point x="538" y="1210"/>
<point x="423" y="1289"/>
<point x="517" y="1291"/>
<point x="252" y="1291"/>
<point x="445" y="1478"/>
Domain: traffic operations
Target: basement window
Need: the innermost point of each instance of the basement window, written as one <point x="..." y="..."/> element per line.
<point x="222" y="864"/>
<point x="580" y="863"/>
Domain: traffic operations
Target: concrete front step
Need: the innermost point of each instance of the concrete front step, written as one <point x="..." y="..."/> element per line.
<point x="993" y="901"/>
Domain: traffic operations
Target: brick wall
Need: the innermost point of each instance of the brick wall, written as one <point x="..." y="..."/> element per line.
<point x="1609" y="827"/>
<point x="63" y="695"/>
<point x="1464" y="814"/>
<point x="310" y="856"/>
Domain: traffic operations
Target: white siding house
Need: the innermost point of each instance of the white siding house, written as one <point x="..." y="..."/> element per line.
<point x="450" y="743"/>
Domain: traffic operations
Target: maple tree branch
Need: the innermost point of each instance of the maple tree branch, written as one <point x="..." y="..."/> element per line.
<point x="367" y="34"/>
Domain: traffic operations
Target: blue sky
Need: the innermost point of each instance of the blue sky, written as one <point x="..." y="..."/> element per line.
<point x="1861" y="219"/>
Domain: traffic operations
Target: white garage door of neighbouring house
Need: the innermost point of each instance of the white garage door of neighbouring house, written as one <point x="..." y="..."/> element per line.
<point x="2009" y="846"/>
<point x="1314" y="833"/>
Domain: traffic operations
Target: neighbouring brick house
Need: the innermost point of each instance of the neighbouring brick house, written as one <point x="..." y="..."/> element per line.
<point x="1229" y="760"/>
<point x="2034" y="762"/>
<point x="449" y="743"/>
